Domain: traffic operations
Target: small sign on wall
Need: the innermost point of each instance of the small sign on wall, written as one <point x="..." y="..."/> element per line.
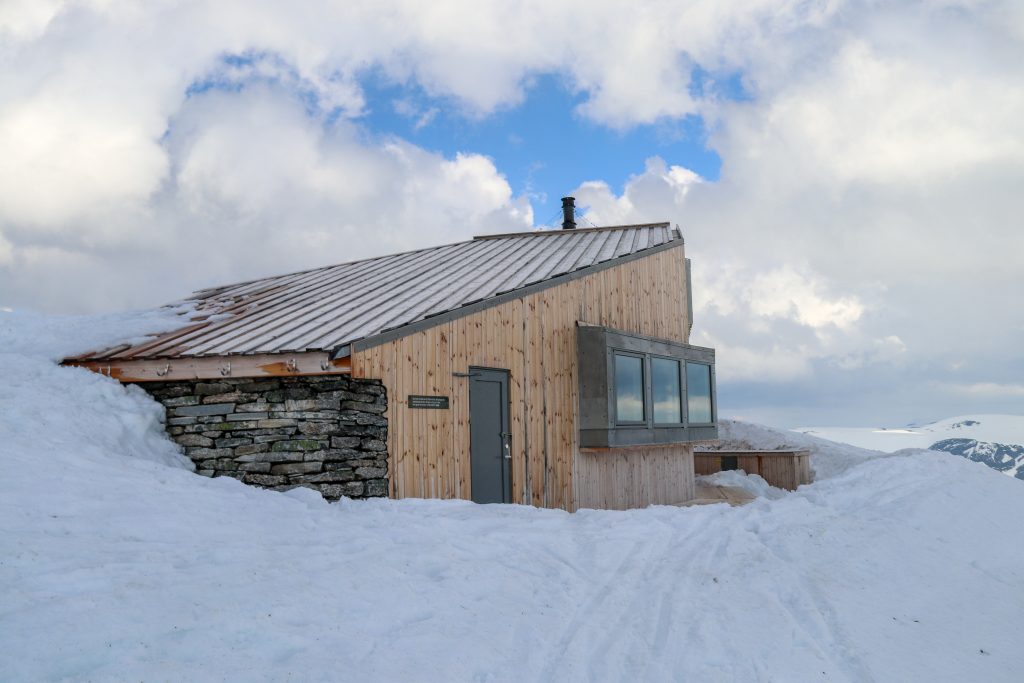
<point x="429" y="402"/>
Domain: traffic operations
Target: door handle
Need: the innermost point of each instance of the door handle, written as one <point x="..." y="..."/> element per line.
<point x="506" y="439"/>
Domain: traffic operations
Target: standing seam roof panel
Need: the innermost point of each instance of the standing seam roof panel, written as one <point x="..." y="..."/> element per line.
<point x="323" y="308"/>
<point x="314" y="317"/>
<point x="296" y="306"/>
<point x="441" y="301"/>
<point x="250" y="309"/>
<point x="420" y="284"/>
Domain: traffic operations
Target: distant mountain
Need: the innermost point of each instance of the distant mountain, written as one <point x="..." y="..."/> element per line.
<point x="1007" y="458"/>
<point x="996" y="440"/>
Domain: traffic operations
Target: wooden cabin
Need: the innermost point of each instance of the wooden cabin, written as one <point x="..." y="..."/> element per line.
<point x="548" y="368"/>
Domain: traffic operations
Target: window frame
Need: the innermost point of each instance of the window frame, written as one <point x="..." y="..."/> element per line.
<point x="683" y="393"/>
<point x="644" y="397"/>
<point x="711" y="394"/>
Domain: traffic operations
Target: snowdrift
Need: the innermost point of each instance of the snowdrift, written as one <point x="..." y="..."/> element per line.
<point x="118" y="563"/>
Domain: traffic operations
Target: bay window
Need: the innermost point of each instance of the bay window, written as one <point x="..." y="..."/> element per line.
<point x="637" y="390"/>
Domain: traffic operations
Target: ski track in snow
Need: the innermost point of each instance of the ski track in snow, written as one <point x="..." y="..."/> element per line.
<point x="118" y="563"/>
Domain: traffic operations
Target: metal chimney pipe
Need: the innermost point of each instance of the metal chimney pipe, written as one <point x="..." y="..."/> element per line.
<point x="568" y="213"/>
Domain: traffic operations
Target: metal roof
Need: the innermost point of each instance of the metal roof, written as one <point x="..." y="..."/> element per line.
<point x="327" y="308"/>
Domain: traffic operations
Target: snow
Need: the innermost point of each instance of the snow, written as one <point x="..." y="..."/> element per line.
<point x="1003" y="429"/>
<point x="55" y="337"/>
<point x="47" y="412"/>
<point x="753" y="484"/>
<point x="118" y="563"/>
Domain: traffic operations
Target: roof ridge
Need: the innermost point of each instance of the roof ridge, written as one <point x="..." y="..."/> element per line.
<point x="562" y="231"/>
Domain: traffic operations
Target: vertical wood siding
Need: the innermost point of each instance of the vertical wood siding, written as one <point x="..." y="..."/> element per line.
<point x="534" y="338"/>
<point x="785" y="469"/>
<point x="621" y="479"/>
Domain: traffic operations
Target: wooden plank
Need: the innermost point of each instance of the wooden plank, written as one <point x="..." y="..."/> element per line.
<point x="570" y="406"/>
<point x="748" y="463"/>
<point x="779" y="472"/>
<point x="218" y="367"/>
<point x="657" y="475"/>
<point x="552" y="391"/>
<point x="547" y="366"/>
<point x="535" y="414"/>
<point x="804" y="469"/>
<point x="462" y="476"/>
<point x="517" y="403"/>
<point x="443" y="386"/>
<point x="565" y="358"/>
<point x="707" y="463"/>
<point x="389" y="372"/>
<point x="525" y="392"/>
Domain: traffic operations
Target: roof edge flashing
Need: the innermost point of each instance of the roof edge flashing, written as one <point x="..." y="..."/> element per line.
<point x="577" y="230"/>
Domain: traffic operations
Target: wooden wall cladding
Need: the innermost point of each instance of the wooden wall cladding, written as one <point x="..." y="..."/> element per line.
<point x="784" y="469"/>
<point x="625" y="478"/>
<point x="533" y="337"/>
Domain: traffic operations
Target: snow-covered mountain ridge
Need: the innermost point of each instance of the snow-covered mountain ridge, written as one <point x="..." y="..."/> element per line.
<point x="1006" y="458"/>
<point x="996" y="440"/>
<point x="118" y="563"/>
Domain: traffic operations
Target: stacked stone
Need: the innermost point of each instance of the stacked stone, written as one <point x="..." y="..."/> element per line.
<point x="324" y="433"/>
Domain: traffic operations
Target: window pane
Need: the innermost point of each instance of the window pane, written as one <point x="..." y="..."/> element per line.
<point x="629" y="388"/>
<point x="698" y="392"/>
<point x="668" y="408"/>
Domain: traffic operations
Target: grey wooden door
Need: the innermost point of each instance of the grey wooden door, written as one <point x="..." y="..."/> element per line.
<point x="490" y="442"/>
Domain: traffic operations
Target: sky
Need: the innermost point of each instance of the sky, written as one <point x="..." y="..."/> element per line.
<point x="847" y="175"/>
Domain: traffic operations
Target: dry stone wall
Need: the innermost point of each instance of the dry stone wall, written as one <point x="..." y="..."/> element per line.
<point x="324" y="433"/>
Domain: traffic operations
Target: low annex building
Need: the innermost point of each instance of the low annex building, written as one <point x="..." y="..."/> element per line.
<point x="547" y="368"/>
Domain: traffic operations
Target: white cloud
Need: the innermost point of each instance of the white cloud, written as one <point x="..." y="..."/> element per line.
<point x="888" y="350"/>
<point x="780" y="362"/>
<point x="786" y="293"/>
<point x="26" y="19"/>
<point x="985" y="389"/>
<point x="654" y="195"/>
<point x="257" y="187"/>
<point x="920" y="119"/>
<point x="62" y="161"/>
<point x="6" y="252"/>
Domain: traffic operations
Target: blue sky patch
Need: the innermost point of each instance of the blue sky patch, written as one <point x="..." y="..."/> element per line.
<point x="541" y="145"/>
<point x="722" y="86"/>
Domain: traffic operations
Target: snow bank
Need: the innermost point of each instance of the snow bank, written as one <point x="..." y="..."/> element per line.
<point x="54" y="337"/>
<point x="117" y="564"/>
<point x="49" y="414"/>
<point x="753" y="484"/>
